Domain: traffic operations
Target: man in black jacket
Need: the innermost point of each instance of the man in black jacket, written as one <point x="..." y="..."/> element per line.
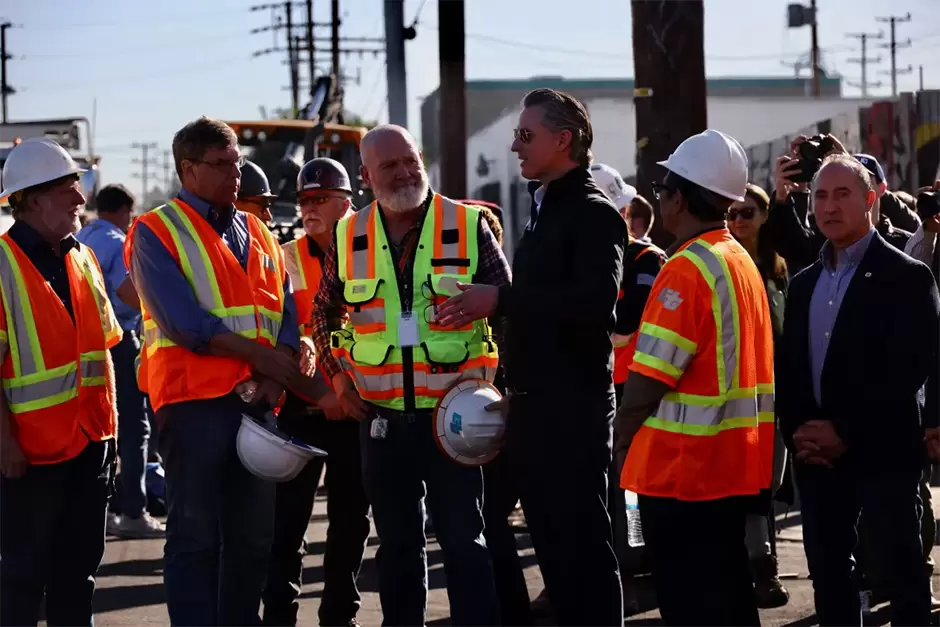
<point x="859" y="447"/>
<point x="558" y="357"/>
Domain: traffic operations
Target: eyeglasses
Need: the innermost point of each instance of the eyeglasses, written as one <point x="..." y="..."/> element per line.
<point x="223" y="164"/>
<point x="659" y="188"/>
<point x="747" y="214"/>
<point x="319" y="200"/>
<point x="523" y="134"/>
<point x="266" y="203"/>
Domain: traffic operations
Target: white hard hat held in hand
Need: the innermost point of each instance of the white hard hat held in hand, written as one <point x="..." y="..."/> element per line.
<point x="613" y="185"/>
<point x="712" y="160"/>
<point x="36" y="161"/>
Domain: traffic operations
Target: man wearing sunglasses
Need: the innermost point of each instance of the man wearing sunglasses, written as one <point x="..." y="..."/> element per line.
<point x="254" y="193"/>
<point x="324" y="194"/>
<point x="558" y="359"/>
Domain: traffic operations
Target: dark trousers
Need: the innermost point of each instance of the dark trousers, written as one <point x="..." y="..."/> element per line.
<point x="832" y="500"/>
<point x="402" y="472"/>
<point x="347" y="512"/>
<point x="500" y="495"/>
<point x="700" y="564"/>
<point x="133" y="427"/>
<point x="562" y="450"/>
<point x="52" y="524"/>
<point x="220" y="520"/>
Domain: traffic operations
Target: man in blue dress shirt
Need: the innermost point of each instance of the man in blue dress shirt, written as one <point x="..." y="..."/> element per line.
<point x="106" y="236"/>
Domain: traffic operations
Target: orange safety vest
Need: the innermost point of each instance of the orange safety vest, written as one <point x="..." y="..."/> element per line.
<point x="58" y="384"/>
<point x="250" y="303"/>
<point x="706" y="333"/>
<point x="305" y="272"/>
<point x="623" y="353"/>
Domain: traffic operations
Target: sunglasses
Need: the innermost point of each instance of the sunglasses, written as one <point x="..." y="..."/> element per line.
<point x="523" y="134"/>
<point x="659" y="188"/>
<point x="266" y="203"/>
<point x="745" y="214"/>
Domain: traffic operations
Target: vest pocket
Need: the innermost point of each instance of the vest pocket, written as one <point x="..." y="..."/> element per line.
<point x="370" y="353"/>
<point x="445" y="353"/>
<point x="366" y="311"/>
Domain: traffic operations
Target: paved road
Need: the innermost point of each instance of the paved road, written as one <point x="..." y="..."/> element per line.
<point x="131" y="587"/>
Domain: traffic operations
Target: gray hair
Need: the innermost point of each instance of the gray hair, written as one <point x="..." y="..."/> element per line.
<point x="850" y="163"/>
<point x="564" y="112"/>
<point x="193" y="140"/>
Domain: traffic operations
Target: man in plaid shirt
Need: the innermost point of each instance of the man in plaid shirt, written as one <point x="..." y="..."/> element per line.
<point x="401" y="461"/>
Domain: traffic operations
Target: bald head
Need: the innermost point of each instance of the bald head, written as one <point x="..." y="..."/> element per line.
<point x="393" y="168"/>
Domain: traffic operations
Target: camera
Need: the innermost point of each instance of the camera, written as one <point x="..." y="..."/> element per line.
<point x="928" y="204"/>
<point x="812" y="152"/>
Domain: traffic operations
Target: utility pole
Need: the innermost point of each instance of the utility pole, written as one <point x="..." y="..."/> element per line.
<point x="144" y="163"/>
<point x="798" y="16"/>
<point x="395" y="62"/>
<point x="452" y="41"/>
<point x="815" y="52"/>
<point x="292" y="57"/>
<point x="5" y="89"/>
<point x="335" y="28"/>
<point x="669" y="62"/>
<point x="311" y="49"/>
<point x="893" y="46"/>
<point x="920" y="70"/>
<point x="864" y="60"/>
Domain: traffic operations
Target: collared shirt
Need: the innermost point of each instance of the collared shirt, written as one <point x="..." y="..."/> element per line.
<point x="493" y="269"/>
<point x="50" y="265"/>
<point x="168" y="296"/>
<point x="827" y="299"/>
<point x="107" y="240"/>
<point x="537" y="196"/>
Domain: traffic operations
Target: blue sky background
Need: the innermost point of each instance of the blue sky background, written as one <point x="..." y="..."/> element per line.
<point x="153" y="66"/>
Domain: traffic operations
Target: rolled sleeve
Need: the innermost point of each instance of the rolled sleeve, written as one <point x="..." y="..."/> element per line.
<point x="168" y="297"/>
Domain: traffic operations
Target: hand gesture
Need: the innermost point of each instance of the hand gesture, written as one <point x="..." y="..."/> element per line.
<point x="350" y="402"/>
<point x="475" y="302"/>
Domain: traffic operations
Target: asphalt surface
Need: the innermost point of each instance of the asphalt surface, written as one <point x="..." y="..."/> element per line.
<point x="130" y="584"/>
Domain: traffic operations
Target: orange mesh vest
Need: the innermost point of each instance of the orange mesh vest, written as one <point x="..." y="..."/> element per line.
<point x="249" y="302"/>
<point x="57" y="381"/>
<point x="305" y="272"/>
<point x="706" y="332"/>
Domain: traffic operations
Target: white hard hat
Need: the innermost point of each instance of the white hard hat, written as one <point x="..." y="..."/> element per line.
<point x="35" y="161"/>
<point x="270" y="455"/>
<point x="711" y="160"/>
<point x="613" y="185"/>
<point x="464" y="430"/>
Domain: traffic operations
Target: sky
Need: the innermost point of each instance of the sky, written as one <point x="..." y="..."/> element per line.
<point x="142" y="70"/>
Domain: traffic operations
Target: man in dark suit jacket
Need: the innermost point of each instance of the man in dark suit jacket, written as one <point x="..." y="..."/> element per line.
<point x="861" y="331"/>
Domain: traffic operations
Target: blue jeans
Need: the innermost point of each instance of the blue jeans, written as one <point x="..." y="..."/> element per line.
<point x="221" y="517"/>
<point x="401" y="472"/>
<point x="133" y="428"/>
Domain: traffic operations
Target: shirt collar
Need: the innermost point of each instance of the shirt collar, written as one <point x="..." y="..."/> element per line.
<point x="223" y="215"/>
<point x="313" y="247"/>
<point x="850" y="256"/>
<point x="98" y="223"/>
<point x="29" y="239"/>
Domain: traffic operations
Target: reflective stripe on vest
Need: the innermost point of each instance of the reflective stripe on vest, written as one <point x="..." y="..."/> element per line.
<point x="199" y="273"/>
<point x="33" y="386"/>
<point x="733" y="407"/>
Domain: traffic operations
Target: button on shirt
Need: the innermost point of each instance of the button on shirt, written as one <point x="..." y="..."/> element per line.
<point x="107" y="241"/>
<point x="168" y="296"/>
<point x="827" y="299"/>
<point x="50" y="265"/>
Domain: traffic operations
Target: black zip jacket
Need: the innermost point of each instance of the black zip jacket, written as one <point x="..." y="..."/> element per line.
<point x="559" y="309"/>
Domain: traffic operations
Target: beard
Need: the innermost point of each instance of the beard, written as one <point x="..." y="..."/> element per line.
<point x="405" y="198"/>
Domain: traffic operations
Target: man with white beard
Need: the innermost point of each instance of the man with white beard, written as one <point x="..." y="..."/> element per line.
<point x="389" y="267"/>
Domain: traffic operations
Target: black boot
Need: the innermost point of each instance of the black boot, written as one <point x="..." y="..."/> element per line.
<point x="770" y="592"/>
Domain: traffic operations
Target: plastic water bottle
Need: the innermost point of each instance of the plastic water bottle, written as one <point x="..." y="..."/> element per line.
<point x="634" y="526"/>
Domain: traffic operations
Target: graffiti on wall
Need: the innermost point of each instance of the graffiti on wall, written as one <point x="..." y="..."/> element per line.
<point x="904" y="136"/>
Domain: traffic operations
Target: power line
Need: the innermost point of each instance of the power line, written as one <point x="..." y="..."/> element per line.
<point x="111" y="82"/>
<point x="5" y="89"/>
<point x="137" y="21"/>
<point x="893" y="46"/>
<point x="144" y="163"/>
<point x="864" y="60"/>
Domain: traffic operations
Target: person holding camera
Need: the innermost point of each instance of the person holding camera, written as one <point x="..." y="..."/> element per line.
<point x="791" y="225"/>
